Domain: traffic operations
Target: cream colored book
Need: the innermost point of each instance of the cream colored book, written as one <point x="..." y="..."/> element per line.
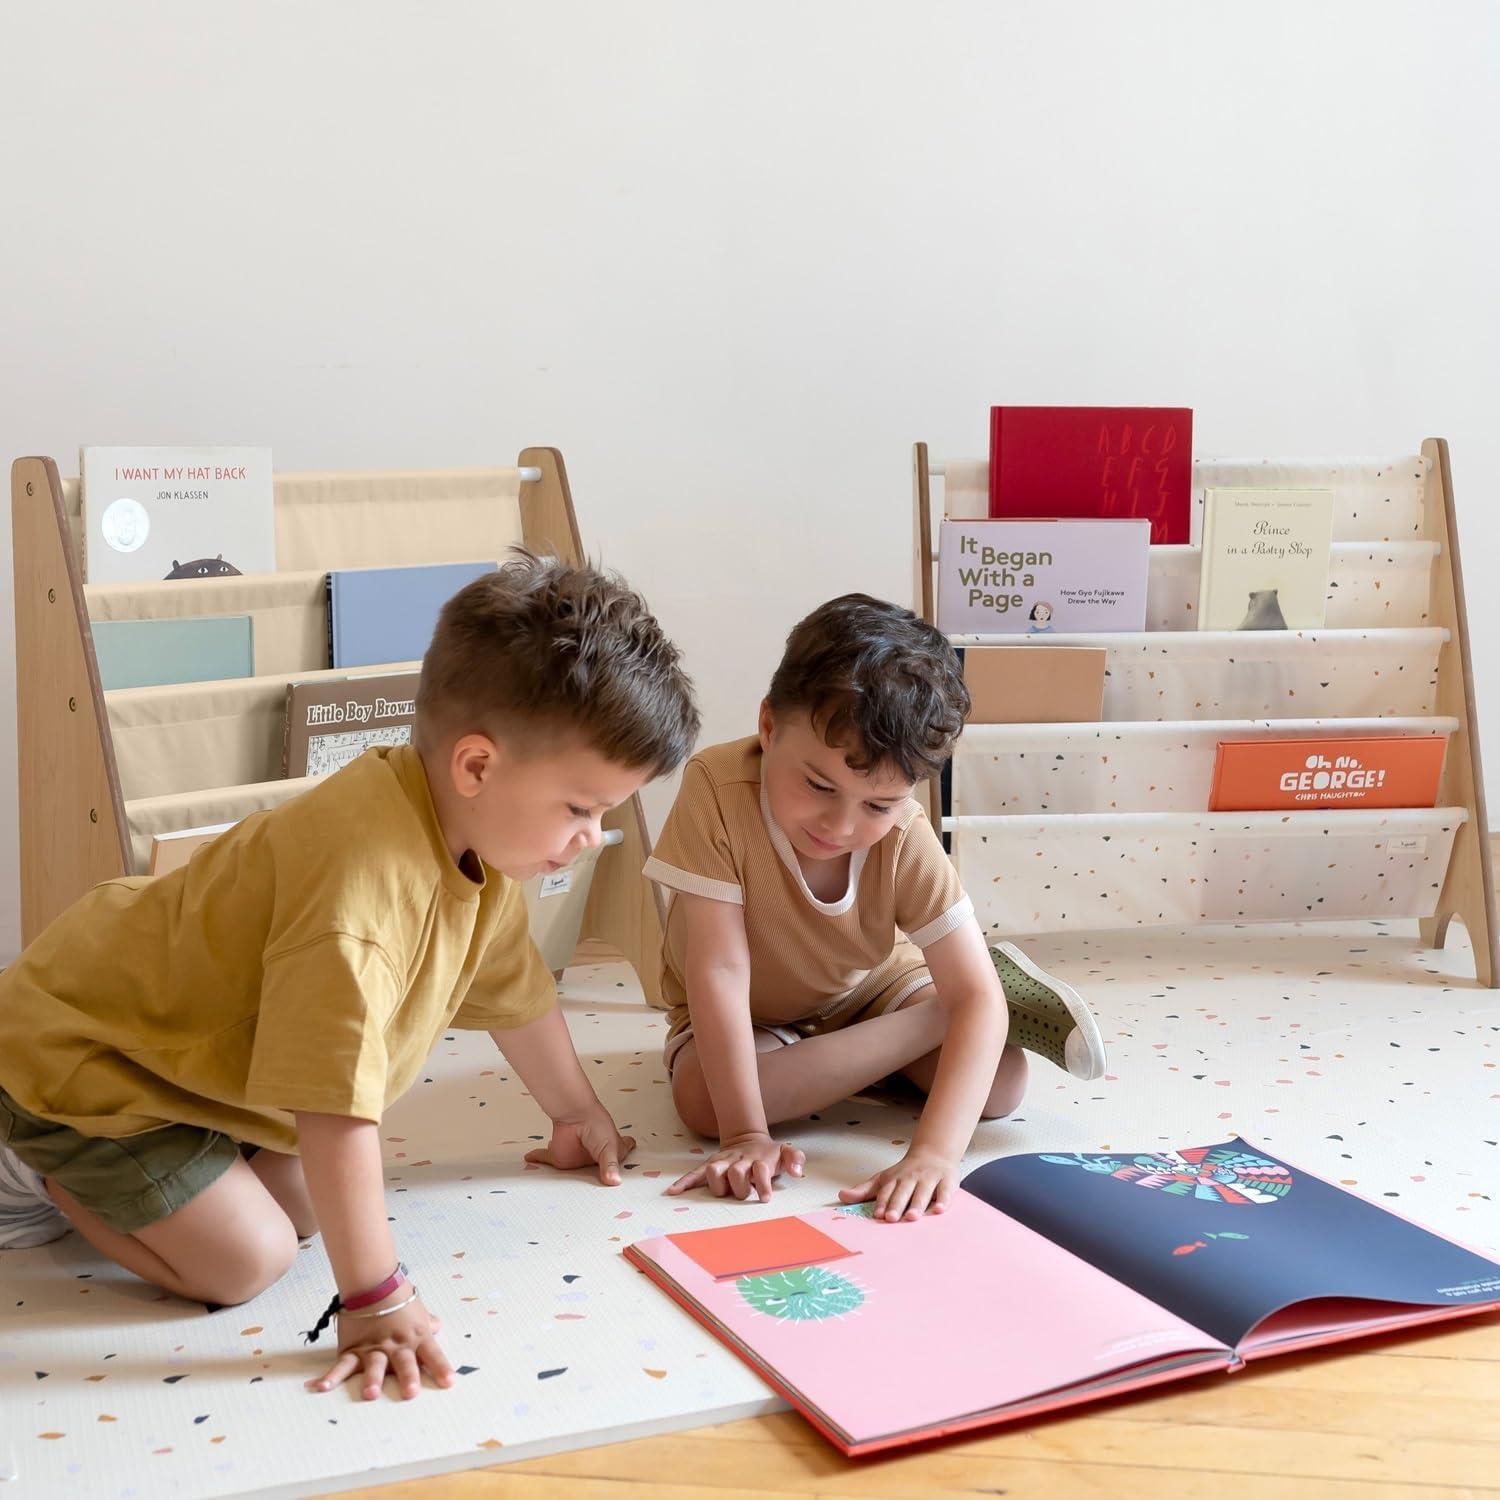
<point x="171" y="851"/>
<point x="1265" y="559"/>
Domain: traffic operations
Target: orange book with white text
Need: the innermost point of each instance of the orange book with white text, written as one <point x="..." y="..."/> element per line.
<point x="1370" y="771"/>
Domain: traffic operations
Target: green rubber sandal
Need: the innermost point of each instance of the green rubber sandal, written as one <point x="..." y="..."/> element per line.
<point x="1047" y="1016"/>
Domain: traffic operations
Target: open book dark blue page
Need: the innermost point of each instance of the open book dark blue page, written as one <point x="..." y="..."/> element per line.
<point x="1226" y="1235"/>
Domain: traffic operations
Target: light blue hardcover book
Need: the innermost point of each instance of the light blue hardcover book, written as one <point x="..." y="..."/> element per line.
<point x="381" y="615"/>
<point x="152" y="653"/>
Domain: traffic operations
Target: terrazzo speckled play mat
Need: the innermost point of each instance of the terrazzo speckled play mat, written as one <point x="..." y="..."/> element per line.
<point x="1353" y="1051"/>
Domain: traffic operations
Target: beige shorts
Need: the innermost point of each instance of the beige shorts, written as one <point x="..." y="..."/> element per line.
<point x="883" y="989"/>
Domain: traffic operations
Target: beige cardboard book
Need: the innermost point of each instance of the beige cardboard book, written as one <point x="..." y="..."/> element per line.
<point x="1035" y="684"/>
<point x="171" y="851"/>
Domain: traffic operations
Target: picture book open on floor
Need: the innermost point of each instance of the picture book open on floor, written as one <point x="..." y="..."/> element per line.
<point x="1054" y="1280"/>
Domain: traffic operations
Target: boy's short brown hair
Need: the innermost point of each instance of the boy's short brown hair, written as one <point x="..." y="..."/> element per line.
<point x="876" y="681"/>
<point x="541" y="646"/>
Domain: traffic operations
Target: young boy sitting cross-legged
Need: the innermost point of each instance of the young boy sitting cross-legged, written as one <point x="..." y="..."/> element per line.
<point x="285" y="987"/>
<point x="797" y="860"/>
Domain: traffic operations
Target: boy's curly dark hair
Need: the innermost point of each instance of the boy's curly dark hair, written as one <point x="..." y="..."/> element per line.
<point x="546" y="648"/>
<point x="876" y="681"/>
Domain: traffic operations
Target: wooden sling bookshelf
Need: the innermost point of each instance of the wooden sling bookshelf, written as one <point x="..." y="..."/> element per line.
<point x="81" y="822"/>
<point x="1392" y="512"/>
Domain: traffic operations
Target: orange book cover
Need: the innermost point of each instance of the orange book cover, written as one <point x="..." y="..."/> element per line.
<point x="1372" y="771"/>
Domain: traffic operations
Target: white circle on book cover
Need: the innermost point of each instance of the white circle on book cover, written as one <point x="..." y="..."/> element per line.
<point x="125" y="525"/>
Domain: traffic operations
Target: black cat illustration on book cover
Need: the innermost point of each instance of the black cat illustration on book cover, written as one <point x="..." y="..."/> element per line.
<point x="204" y="567"/>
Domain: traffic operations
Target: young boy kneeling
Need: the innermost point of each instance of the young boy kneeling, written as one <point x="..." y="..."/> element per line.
<point x="796" y="860"/>
<point x="283" y="989"/>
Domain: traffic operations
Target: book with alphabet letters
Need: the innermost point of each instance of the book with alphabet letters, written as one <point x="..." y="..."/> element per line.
<point x="1053" y="1280"/>
<point x="1265" y="559"/>
<point x="179" y="513"/>
<point x="1094" y="461"/>
<point x="331" y="721"/>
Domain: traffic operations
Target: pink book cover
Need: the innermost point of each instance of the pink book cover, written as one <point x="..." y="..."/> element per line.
<point x="976" y="1312"/>
<point x="1058" y="1279"/>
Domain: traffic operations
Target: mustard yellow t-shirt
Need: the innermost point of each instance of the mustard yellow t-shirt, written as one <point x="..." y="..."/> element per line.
<point x="309" y="958"/>
<point x="806" y="955"/>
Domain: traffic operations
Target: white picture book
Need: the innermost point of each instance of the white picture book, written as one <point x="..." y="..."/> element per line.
<point x="1265" y="559"/>
<point x="154" y="513"/>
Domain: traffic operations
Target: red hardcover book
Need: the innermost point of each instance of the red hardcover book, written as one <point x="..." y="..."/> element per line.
<point x="1082" y="461"/>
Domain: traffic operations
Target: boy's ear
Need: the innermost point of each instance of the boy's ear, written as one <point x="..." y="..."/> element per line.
<point x="765" y="725"/>
<point x="472" y="759"/>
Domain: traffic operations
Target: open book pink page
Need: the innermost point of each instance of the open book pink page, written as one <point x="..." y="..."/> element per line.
<point x="1332" y="1320"/>
<point x="898" y="1331"/>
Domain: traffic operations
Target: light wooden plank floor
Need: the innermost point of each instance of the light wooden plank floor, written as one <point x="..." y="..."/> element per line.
<point x="1407" y="1419"/>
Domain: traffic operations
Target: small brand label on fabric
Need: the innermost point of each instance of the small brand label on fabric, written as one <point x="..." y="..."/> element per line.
<point x="560" y="882"/>
<point x="1407" y="844"/>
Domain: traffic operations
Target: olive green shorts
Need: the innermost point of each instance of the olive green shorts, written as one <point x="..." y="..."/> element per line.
<point x="127" y="1183"/>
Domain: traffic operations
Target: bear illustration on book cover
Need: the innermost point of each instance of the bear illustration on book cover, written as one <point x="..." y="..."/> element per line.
<point x="1265" y="558"/>
<point x="1264" y="612"/>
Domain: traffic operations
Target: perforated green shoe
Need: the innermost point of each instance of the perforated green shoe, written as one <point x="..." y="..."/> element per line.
<point x="1047" y="1016"/>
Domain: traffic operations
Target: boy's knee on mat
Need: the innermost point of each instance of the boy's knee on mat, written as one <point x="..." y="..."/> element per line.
<point x="690" y="1096"/>
<point x="1009" y="1087"/>
<point x="233" y="1271"/>
<point x="254" y="1265"/>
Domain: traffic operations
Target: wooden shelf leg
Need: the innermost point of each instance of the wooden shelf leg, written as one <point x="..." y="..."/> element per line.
<point x="1468" y="889"/>
<point x="72" y="816"/>
<point x="624" y="910"/>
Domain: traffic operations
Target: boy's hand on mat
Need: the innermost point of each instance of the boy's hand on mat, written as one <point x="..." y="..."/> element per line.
<point x="743" y="1166"/>
<point x="402" y="1344"/>
<point x="921" y="1182"/>
<point x="581" y="1143"/>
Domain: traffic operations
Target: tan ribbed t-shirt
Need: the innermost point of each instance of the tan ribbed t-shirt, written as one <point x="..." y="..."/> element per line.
<point x="806" y="955"/>
<point x="307" y="959"/>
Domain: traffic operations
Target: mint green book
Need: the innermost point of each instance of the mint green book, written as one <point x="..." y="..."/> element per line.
<point x="152" y="653"/>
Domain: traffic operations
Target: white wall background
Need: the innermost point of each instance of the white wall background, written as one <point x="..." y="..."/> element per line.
<point x="733" y="260"/>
